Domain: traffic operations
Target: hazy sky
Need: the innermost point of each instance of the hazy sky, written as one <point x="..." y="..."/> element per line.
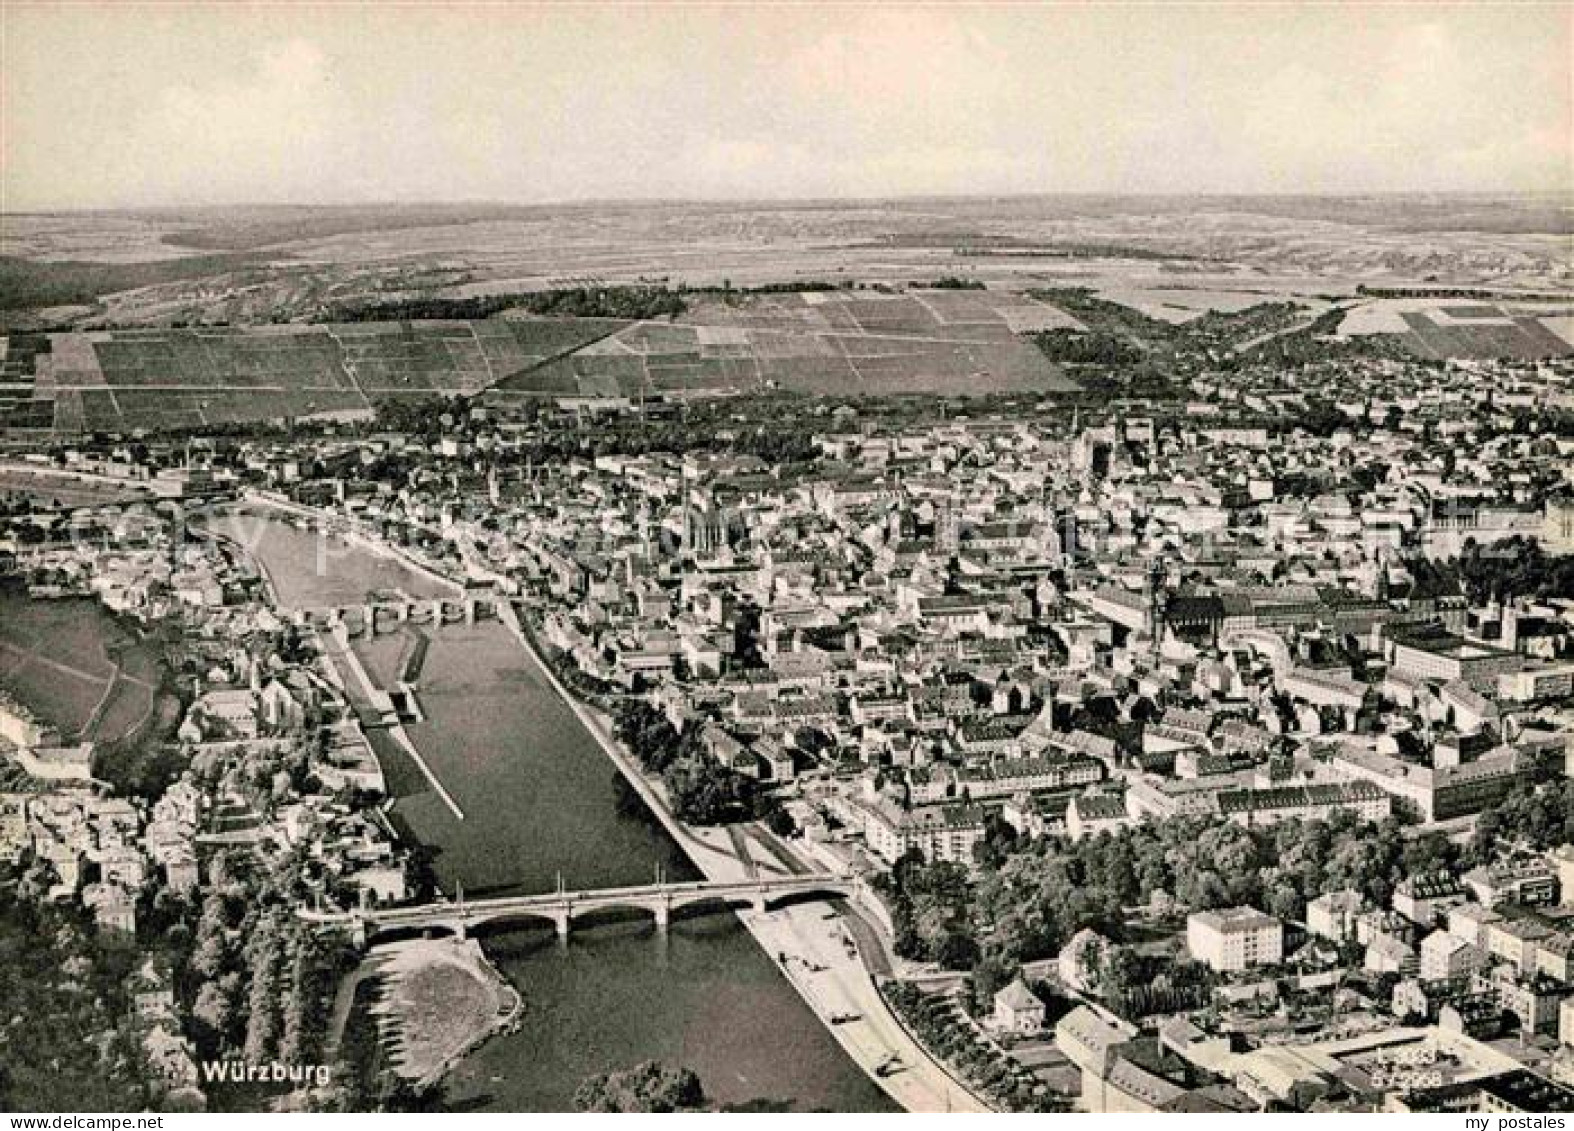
<point x="170" y="104"/>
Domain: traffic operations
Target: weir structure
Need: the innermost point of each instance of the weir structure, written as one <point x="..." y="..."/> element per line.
<point x="560" y="908"/>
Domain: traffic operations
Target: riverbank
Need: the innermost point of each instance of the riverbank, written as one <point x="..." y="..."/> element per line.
<point x="269" y="590"/>
<point x="438" y="1000"/>
<point x="812" y="947"/>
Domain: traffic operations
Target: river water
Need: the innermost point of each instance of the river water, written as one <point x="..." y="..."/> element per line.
<point x="540" y="799"/>
<point x="311" y="570"/>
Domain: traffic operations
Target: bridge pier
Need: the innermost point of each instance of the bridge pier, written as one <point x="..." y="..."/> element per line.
<point x="663" y="913"/>
<point x="561" y="921"/>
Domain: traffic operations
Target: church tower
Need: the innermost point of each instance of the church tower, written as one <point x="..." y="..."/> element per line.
<point x="1156" y="594"/>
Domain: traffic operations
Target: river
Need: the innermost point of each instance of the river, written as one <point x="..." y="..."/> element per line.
<point x="540" y="798"/>
<point x="310" y="570"/>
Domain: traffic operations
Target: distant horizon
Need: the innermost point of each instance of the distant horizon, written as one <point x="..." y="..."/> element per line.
<point x="114" y="107"/>
<point x="1566" y="197"/>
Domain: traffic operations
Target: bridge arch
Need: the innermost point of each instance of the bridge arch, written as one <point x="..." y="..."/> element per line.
<point x="515" y="917"/>
<point x="777" y="900"/>
<point x="606" y="914"/>
<point x="708" y="903"/>
<point x="461" y="925"/>
<point x="403" y="932"/>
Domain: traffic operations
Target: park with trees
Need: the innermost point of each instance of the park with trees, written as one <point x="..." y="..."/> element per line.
<point x="1027" y="897"/>
<point x="702" y="791"/>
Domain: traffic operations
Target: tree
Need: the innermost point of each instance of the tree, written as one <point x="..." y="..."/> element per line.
<point x="1285" y="901"/>
<point x="1125" y="979"/>
<point x="645" y="1088"/>
<point x="63" y="996"/>
<point x="264" y="956"/>
<point x="210" y="956"/>
<point x="214" y="1011"/>
<point x="779" y="821"/>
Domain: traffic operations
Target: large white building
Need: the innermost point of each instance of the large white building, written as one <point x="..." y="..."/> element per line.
<point x="939" y="832"/>
<point x="1434" y="793"/>
<point x="1235" y="938"/>
<point x="1447" y="658"/>
<point x="1257" y="807"/>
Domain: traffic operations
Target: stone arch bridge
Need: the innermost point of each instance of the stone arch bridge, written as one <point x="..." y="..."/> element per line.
<point x="386" y="612"/>
<point x="561" y="908"/>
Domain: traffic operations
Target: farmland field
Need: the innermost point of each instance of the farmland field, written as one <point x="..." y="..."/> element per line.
<point x="76" y="668"/>
<point x="843" y="341"/>
<point x="1469" y="329"/>
<point x="150" y="379"/>
<point x="1562" y="326"/>
<point x="1182" y="304"/>
<point x="817" y="342"/>
<point x="1523" y="338"/>
<point x="291" y="263"/>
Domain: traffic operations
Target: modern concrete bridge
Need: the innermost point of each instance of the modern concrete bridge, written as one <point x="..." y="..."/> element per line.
<point x="561" y="908"/>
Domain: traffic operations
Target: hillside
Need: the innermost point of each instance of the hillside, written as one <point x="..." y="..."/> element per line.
<point x="967" y="342"/>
